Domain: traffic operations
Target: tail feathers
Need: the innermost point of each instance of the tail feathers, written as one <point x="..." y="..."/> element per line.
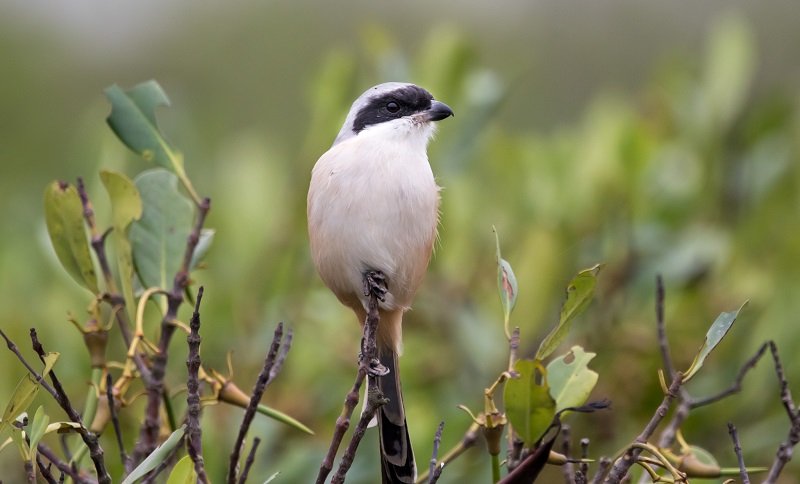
<point x="397" y="458"/>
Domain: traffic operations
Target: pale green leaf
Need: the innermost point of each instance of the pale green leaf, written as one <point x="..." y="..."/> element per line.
<point x="272" y="477"/>
<point x="528" y="404"/>
<point x="63" y="214"/>
<point x="126" y="204"/>
<point x="570" y="379"/>
<point x="159" y="238"/>
<point x="158" y="456"/>
<point x="25" y="392"/>
<point x="37" y="429"/>
<point x="126" y="207"/>
<point x="579" y="294"/>
<point x="283" y="418"/>
<point x="715" y="333"/>
<point x="506" y="285"/>
<point x="183" y="472"/>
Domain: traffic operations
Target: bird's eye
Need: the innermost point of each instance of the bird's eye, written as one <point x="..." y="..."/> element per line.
<point x="393" y="107"/>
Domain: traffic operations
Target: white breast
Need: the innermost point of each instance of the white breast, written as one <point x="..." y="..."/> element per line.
<point x="373" y="205"/>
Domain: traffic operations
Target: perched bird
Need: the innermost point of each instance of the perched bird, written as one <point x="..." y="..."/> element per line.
<point x="373" y="205"/>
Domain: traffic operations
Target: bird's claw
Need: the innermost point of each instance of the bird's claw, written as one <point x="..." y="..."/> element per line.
<point x="375" y="284"/>
<point x="375" y="369"/>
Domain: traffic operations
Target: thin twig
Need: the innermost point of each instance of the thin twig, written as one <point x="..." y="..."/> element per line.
<point x="624" y="463"/>
<point x="62" y="466"/>
<point x="368" y="350"/>
<point x="89" y="438"/>
<point x="115" y="422"/>
<point x="248" y="463"/>
<point x="466" y="442"/>
<point x="736" y="386"/>
<point x="737" y="448"/>
<point x="370" y="365"/>
<point x="194" y="441"/>
<point x="149" y="432"/>
<point x="663" y="341"/>
<point x="784" y="453"/>
<point x="342" y="424"/>
<point x="602" y="467"/>
<point x="44" y="470"/>
<point x="583" y="468"/>
<point x="258" y="391"/>
<point x="435" y="470"/>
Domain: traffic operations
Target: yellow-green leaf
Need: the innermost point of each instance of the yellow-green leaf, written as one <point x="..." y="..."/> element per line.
<point x="579" y="294"/>
<point x="25" y="392"/>
<point x="528" y="404"/>
<point x="183" y="472"/>
<point x="63" y="214"/>
<point x="126" y="207"/>
<point x="158" y="456"/>
<point x="570" y="379"/>
<point x="126" y="204"/>
<point x="715" y="333"/>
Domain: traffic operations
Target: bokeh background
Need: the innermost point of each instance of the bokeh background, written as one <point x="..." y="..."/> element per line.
<point x="650" y="136"/>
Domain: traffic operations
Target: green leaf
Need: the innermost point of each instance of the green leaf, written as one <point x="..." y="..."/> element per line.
<point x="579" y="294"/>
<point x="506" y="285"/>
<point x="37" y="429"/>
<point x="528" y="404"/>
<point x="158" y="456"/>
<point x="126" y="207"/>
<point x="25" y="392"/>
<point x="126" y="204"/>
<point x="715" y="333"/>
<point x="183" y="472"/>
<point x="63" y="214"/>
<point x="570" y="379"/>
<point x="159" y="238"/>
<point x="283" y="418"/>
<point x="133" y="120"/>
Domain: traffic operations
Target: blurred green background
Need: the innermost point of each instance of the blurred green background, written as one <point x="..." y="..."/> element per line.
<point x="652" y="137"/>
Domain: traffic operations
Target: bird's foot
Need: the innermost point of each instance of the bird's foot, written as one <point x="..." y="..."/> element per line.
<point x="376" y="369"/>
<point x="375" y="284"/>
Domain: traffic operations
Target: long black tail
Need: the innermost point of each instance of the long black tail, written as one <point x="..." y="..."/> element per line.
<point x="397" y="458"/>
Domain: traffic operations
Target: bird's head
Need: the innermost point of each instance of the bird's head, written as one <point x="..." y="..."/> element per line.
<point x="394" y="107"/>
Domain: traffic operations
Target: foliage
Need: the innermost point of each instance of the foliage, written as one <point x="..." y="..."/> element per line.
<point x="692" y="174"/>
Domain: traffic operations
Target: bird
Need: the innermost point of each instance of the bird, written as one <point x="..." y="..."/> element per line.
<point x="373" y="207"/>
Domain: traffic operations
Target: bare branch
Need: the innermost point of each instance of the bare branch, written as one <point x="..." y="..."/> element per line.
<point x="89" y="438"/>
<point x="736" y="386"/>
<point x="435" y="470"/>
<point x="115" y="422"/>
<point x="262" y="381"/>
<point x="248" y="463"/>
<point x="62" y="466"/>
<point x="624" y="463"/>
<point x="370" y="365"/>
<point x="194" y="441"/>
<point x="737" y="448"/>
<point x="784" y="453"/>
<point x="149" y="431"/>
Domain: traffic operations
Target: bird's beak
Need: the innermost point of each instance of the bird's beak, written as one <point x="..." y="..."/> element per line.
<point x="438" y="111"/>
